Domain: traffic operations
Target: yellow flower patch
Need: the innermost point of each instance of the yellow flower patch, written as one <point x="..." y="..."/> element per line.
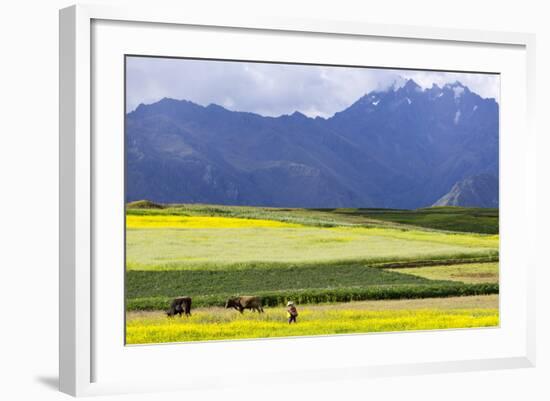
<point x="172" y="221"/>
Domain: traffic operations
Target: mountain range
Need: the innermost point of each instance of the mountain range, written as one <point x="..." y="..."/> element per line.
<point x="404" y="147"/>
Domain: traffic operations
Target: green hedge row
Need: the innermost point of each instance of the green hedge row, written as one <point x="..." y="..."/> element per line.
<point x="312" y="296"/>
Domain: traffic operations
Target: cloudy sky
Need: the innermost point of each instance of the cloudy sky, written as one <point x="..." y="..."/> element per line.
<point x="275" y="89"/>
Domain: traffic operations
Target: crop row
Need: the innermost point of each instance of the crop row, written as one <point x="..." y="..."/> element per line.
<point x="313" y="296"/>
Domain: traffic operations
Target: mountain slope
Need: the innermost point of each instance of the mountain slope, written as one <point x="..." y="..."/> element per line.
<point x="480" y="190"/>
<point x="399" y="148"/>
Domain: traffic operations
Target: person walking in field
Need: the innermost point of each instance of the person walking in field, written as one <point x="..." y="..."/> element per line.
<point x="291" y="312"/>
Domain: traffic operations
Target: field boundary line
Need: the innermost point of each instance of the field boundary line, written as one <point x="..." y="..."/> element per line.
<point x="433" y="262"/>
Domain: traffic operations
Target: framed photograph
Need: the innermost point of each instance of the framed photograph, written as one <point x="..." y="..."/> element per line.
<point x="290" y="199"/>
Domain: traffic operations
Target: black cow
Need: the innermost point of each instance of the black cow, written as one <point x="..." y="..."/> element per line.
<point x="179" y="306"/>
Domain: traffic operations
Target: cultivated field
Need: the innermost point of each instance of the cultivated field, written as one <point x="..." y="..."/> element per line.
<point x="335" y="257"/>
<point x="354" y="317"/>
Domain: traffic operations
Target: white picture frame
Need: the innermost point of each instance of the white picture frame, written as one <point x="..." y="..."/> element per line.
<point x="82" y="214"/>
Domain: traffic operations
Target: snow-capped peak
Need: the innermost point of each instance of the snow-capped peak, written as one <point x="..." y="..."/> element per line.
<point x="458" y="90"/>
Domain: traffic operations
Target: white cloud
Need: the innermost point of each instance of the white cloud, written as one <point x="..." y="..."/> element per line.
<point x="275" y="89"/>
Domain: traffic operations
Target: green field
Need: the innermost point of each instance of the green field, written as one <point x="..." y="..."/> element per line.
<point x="309" y="256"/>
<point x="444" y="218"/>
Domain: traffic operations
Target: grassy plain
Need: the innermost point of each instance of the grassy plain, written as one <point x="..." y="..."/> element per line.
<point x="181" y="242"/>
<point x="455" y="219"/>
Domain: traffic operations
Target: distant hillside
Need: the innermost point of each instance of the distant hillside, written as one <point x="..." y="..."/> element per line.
<point x="399" y="148"/>
<point x="480" y="190"/>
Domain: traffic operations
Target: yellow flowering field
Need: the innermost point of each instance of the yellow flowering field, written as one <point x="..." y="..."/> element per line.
<point x="174" y="221"/>
<point x="355" y="317"/>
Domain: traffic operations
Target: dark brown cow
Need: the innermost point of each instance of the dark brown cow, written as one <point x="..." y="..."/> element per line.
<point x="242" y="303"/>
<point x="179" y="306"/>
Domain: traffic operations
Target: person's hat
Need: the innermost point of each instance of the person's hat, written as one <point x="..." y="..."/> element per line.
<point x="290" y="303"/>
